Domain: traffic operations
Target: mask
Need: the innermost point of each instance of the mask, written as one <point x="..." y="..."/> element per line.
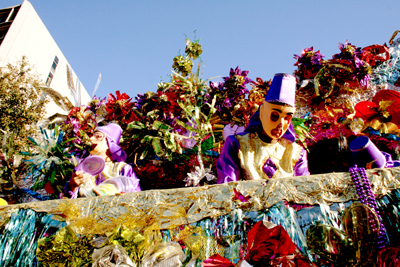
<point x="275" y="119"/>
<point x="99" y="148"/>
<point x="99" y="143"/>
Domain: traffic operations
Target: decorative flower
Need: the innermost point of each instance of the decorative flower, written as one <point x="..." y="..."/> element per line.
<point x="182" y="65"/>
<point x="120" y="108"/>
<point x="328" y="125"/>
<point x="149" y="98"/>
<point x="348" y="51"/>
<point x="230" y="96"/>
<point x="193" y="49"/>
<point x="259" y="91"/>
<point x="308" y="63"/>
<point x="80" y="123"/>
<point x="194" y="178"/>
<point x="266" y="244"/>
<point x="361" y="69"/>
<point x="97" y="106"/>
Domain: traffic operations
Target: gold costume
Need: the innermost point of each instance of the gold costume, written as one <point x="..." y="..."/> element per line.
<point x="254" y="153"/>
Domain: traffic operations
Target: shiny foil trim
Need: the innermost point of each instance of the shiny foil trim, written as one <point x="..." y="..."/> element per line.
<point x="166" y="209"/>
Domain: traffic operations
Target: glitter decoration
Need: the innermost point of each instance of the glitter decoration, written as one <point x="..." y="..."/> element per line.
<point x="19" y="238"/>
<point x="389" y="71"/>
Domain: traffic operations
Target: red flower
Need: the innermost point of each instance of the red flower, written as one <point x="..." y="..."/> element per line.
<point x="217" y="260"/>
<point x="120" y="108"/>
<point x="265" y="244"/>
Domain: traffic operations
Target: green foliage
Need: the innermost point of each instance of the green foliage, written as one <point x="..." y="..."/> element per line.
<point x="22" y="104"/>
<point x="179" y="105"/>
<point x="11" y="166"/>
<point x="51" y="161"/>
<point x="156" y="136"/>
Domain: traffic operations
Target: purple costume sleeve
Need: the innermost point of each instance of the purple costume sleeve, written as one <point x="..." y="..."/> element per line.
<point x="301" y="166"/>
<point x="127" y="171"/>
<point x="228" y="164"/>
<point x="67" y="192"/>
<point x="390" y="163"/>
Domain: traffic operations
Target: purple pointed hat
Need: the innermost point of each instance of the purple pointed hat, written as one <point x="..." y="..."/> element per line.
<point x="113" y="133"/>
<point x="364" y="152"/>
<point x="282" y="89"/>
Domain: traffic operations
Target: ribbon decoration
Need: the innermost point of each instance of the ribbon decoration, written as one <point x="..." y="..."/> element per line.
<point x="393" y="36"/>
<point x="375" y="115"/>
<point x="381" y="113"/>
<point x="337" y="71"/>
<point x="371" y="54"/>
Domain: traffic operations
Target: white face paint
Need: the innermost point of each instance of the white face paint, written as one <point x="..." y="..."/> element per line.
<point x="99" y="143"/>
<point x="275" y="119"/>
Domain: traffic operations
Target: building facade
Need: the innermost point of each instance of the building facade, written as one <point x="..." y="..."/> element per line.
<point x="22" y="33"/>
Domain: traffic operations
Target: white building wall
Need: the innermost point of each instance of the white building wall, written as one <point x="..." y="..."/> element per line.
<point x="28" y="36"/>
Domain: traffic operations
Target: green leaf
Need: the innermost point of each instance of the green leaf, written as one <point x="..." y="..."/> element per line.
<point x="187" y="127"/>
<point x="158" y="125"/>
<point x="169" y="142"/>
<point x="33" y="141"/>
<point x="74" y="161"/>
<point x="56" y="131"/>
<point x="157" y="147"/>
<point x="53" y="175"/>
<point x="147" y="139"/>
<point x="135" y="125"/>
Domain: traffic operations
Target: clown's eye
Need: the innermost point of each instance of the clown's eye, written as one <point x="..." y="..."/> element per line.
<point x="288" y="117"/>
<point x="274" y="116"/>
<point x="98" y="136"/>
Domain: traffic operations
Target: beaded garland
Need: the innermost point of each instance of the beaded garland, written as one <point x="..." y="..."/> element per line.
<point x="367" y="197"/>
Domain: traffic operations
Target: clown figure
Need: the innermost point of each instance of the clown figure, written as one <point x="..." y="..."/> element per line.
<point x="116" y="177"/>
<point x="266" y="149"/>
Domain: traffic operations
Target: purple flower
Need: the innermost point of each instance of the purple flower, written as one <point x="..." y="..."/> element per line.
<point x="309" y="57"/>
<point x="75" y="124"/>
<point x="227" y="103"/>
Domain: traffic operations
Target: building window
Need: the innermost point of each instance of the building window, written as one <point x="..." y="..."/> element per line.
<point x="52" y="71"/>
<point x="4" y="14"/>
<point x="3" y="17"/>
<point x="2" y="35"/>
<point x="49" y="79"/>
<point x="14" y="13"/>
<point x="54" y="65"/>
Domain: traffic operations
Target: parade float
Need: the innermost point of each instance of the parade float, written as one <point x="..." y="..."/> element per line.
<point x="340" y="215"/>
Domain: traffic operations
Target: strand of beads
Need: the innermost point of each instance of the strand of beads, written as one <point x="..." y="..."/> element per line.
<point x="358" y="184"/>
<point x="367" y="197"/>
<point x="382" y="241"/>
<point x="362" y="195"/>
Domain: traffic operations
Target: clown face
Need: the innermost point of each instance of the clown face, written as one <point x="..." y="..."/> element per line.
<point x="99" y="143"/>
<point x="275" y="119"/>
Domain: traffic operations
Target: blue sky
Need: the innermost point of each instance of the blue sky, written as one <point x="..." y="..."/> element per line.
<point x="132" y="43"/>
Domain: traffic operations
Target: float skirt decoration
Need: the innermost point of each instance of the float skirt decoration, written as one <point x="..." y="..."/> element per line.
<point x="205" y="220"/>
